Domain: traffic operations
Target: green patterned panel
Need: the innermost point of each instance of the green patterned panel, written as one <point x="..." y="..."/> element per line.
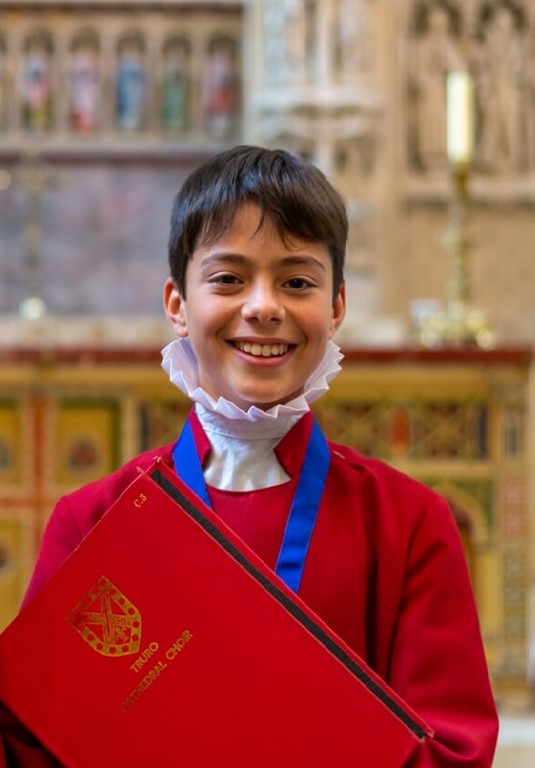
<point x="411" y="428"/>
<point x="450" y="429"/>
<point x="86" y="433"/>
<point x="160" y="421"/>
<point x="353" y="423"/>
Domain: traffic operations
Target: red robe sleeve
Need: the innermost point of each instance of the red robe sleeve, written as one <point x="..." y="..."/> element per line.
<point x="437" y="661"/>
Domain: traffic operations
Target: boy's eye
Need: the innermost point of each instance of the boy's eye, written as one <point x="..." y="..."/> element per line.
<point x="298" y="283"/>
<point x="224" y="278"/>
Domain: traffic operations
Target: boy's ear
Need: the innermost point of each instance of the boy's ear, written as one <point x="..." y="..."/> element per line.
<point x="339" y="311"/>
<point x="175" y="308"/>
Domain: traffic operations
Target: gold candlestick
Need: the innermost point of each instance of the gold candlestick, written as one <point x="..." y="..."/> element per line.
<point x="460" y="324"/>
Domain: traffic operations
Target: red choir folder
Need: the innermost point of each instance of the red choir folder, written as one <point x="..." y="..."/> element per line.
<point x="163" y="641"/>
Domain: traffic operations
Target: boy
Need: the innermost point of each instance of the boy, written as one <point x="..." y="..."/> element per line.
<point x="255" y="296"/>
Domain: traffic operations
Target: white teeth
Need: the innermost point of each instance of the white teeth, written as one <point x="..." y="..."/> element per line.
<point x="262" y="350"/>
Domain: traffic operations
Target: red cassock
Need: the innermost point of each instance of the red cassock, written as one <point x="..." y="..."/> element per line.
<point x="385" y="570"/>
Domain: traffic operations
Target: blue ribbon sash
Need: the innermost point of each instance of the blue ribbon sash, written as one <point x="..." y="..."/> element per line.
<point x="305" y="504"/>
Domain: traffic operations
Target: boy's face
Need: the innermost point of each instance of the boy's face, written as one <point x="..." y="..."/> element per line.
<point x="259" y="312"/>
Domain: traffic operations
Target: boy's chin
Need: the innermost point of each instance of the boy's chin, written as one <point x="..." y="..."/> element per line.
<point x="267" y="402"/>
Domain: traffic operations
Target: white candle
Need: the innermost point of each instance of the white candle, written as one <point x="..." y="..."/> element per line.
<point x="460" y="101"/>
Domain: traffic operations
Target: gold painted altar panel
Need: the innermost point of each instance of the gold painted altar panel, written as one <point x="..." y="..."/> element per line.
<point x="457" y="422"/>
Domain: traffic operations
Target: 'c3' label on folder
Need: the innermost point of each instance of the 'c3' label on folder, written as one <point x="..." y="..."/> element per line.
<point x="107" y="620"/>
<point x="140" y="499"/>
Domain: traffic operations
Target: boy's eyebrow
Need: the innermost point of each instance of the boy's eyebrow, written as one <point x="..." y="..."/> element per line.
<point x="238" y="258"/>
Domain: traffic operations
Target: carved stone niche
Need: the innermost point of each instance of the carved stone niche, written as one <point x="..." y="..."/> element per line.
<point x="435" y="48"/>
<point x="494" y="40"/>
<point x="501" y="62"/>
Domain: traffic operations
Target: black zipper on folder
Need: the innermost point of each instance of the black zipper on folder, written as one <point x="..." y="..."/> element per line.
<point x="326" y="640"/>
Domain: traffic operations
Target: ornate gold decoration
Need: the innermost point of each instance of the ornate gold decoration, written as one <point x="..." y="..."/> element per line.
<point x="107" y="620"/>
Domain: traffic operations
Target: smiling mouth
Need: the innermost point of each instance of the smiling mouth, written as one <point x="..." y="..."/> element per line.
<point x="261" y="350"/>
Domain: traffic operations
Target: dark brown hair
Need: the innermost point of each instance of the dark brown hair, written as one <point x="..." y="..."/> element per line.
<point x="290" y="192"/>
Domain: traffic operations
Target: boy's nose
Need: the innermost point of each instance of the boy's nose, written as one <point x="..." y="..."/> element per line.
<point x="262" y="304"/>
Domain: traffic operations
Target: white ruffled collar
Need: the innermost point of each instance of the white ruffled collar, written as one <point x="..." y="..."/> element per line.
<point x="180" y="363"/>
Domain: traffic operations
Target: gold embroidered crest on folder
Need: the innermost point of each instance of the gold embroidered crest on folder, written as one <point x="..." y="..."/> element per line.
<point x="107" y="620"/>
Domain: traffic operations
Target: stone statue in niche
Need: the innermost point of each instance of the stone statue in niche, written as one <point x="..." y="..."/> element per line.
<point x="131" y="86"/>
<point x="501" y="80"/>
<point x="221" y="89"/>
<point x="353" y="38"/>
<point x="471" y="10"/>
<point x="436" y="52"/>
<point x="175" y="85"/>
<point x="84" y="86"/>
<point x="36" y="95"/>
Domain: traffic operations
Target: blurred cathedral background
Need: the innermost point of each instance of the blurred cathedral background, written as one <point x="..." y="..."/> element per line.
<point x="106" y="106"/>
